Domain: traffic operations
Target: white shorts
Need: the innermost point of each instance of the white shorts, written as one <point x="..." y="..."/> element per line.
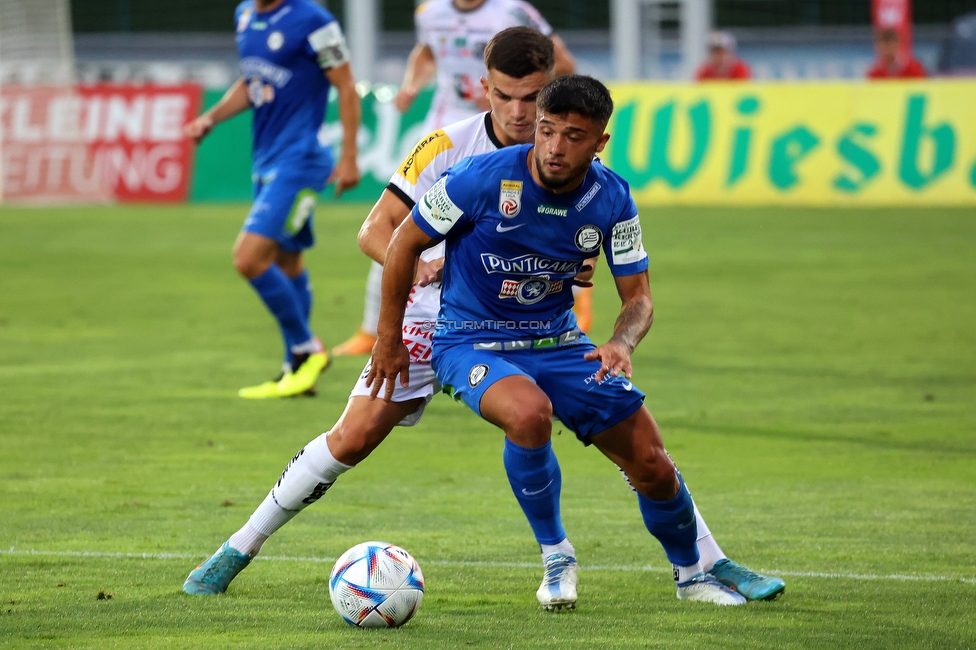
<point x="422" y="384"/>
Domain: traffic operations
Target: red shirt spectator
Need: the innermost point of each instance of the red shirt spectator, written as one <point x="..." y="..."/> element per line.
<point x="889" y="62"/>
<point x="722" y="61"/>
<point x="738" y="69"/>
<point x="910" y="69"/>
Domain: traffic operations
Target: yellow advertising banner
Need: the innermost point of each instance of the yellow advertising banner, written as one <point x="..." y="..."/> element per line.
<point x="884" y="143"/>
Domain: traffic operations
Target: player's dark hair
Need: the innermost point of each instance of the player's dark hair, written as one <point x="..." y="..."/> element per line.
<point x="519" y="52"/>
<point x="576" y="93"/>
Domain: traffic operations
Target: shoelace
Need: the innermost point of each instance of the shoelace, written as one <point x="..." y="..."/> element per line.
<point x="742" y="572"/>
<point x="555" y="566"/>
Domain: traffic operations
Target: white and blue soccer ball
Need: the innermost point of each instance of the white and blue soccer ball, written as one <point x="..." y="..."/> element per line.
<point x="375" y="584"/>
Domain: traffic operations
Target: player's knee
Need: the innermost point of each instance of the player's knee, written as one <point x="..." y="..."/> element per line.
<point x="248" y="265"/>
<point x="352" y="445"/>
<point x="529" y="422"/>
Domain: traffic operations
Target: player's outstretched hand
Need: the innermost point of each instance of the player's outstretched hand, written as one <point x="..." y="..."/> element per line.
<point x="199" y="128"/>
<point x="429" y="272"/>
<point x="345" y="175"/>
<point x="390" y="358"/>
<point x="615" y="357"/>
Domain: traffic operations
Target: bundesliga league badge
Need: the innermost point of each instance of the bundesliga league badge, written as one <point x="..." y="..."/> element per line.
<point x="510" y="198"/>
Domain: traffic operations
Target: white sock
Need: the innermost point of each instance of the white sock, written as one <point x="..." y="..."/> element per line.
<point x="564" y="547"/>
<point x="686" y="573"/>
<point x="310" y="346"/>
<point x="708" y="549"/>
<point x="374" y="287"/>
<point x="306" y="478"/>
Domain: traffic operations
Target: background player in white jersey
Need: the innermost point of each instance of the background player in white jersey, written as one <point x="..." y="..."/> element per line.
<point x="506" y="340"/>
<point x="291" y="53"/>
<point x="366" y="422"/>
<point x="451" y="39"/>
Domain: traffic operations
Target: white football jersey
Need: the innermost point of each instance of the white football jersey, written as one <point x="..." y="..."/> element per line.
<point x="433" y="156"/>
<point x="458" y="39"/>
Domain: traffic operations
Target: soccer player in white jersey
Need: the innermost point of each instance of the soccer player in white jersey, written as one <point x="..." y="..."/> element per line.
<point x="451" y="39"/>
<point x="519" y="224"/>
<point x="366" y="422"/>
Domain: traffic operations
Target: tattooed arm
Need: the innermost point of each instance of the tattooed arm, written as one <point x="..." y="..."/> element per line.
<point x="636" y="316"/>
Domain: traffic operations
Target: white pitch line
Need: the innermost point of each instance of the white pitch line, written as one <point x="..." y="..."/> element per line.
<point x="508" y="565"/>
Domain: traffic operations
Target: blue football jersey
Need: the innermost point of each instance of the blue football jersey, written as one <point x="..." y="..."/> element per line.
<point x="513" y="247"/>
<point x="282" y="57"/>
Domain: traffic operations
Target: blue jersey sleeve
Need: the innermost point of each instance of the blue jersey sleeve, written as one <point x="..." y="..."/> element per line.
<point x="449" y="205"/>
<point x="624" y="247"/>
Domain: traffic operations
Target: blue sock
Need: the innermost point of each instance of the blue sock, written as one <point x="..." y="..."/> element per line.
<point x="536" y="480"/>
<point x="673" y="523"/>
<point x="303" y="286"/>
<point x="280" y="298"/>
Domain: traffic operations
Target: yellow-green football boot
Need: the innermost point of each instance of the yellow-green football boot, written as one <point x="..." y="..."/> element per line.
<point x="306" y="369"/>
<point x="267" y="390"/>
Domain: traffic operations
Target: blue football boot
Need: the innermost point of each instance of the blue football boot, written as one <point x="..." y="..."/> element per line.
<point x="215" y="575"/>
<point x="748" y="583"/>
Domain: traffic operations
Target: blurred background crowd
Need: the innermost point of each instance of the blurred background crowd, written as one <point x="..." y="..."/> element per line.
<point x="192" y="40"/>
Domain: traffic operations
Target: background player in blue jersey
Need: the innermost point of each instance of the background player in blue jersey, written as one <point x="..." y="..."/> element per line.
<point x="291" y="53"/>
<point x="519" y="224"/>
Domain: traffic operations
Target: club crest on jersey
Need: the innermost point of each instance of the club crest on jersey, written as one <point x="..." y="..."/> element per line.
<point x="510" y="198"/>
<point x="275" y="40"/>
<point x="589" y="238"/>
<point x="530" y="290"/>
<point x="477" y="375"/>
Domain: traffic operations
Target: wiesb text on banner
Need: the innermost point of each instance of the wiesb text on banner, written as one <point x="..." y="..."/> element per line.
<point x="893" y="143"/>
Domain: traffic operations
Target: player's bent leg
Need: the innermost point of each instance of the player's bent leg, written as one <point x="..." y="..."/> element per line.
<point x="523" y="411"/>
<point x="635" y="445"/>
<point x="304" y="480"/>
<point x="365" y="424"/>
<point x="255" y="258"/>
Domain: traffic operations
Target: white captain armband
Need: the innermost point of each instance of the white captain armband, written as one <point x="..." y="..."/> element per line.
<point x="437" y="208"/>
<point x="330" y="46"/>
<point x="625" y="242"/>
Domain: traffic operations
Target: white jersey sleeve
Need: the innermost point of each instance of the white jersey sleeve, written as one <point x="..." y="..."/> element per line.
<point x="421" y="23"/>
<point x="440" y="151"/>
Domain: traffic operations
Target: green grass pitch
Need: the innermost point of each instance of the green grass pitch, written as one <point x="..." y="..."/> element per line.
<point x="814" y="372"/>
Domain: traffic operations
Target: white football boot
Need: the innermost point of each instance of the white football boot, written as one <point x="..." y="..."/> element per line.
<point x="558" y="589"/>
<point x="706" y="589"/>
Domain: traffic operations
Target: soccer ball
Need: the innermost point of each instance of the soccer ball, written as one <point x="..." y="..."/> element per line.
<point x="375" y="584"/>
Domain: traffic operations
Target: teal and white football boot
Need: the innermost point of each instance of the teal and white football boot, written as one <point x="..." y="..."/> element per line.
<point x="215" y="575"/>
<point x="706" y="589"/>
<point x="558" y="588"/>
<point x="747" y="582"/>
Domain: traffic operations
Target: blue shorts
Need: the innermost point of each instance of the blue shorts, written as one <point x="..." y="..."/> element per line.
<point x="569" y="380"/>
<point x="284" y="204"/>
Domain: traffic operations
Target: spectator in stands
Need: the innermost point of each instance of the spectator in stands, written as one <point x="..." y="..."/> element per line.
<point x="889" y="63"/>
<point x="722" y="63"/>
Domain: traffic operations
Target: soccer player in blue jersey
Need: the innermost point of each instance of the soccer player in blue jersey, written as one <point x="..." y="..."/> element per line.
<point x="291" y="53"/>
<point x="519" y="224"/>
